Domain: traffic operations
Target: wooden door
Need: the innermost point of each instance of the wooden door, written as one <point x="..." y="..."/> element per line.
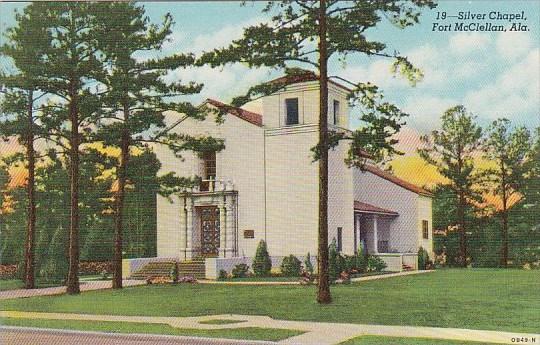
<point x="209" y="231"/>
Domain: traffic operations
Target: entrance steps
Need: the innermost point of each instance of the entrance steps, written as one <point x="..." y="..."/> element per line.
<point x="194" y="268"/>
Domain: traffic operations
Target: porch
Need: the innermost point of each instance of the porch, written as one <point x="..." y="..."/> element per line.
<point x="372" y="233"/>
<point x="208" y="226"/>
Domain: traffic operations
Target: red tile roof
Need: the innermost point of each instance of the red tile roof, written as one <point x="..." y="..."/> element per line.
<point x="394" y="179"/>
<point x="367" y="208"/>
<point x="245" y="115"/>
<point x="303" y="77"/>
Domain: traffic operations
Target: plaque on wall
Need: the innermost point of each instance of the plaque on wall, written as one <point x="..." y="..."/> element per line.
<point x="249" y="233"/>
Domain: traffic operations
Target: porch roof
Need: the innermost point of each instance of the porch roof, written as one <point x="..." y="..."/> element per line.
<point x="363" y="207"/>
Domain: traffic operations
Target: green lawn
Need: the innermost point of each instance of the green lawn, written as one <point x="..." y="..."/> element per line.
<point x="262" y="279"/>
<point x="491" y="299"/>
<point x="247" y="333"/>
<point x="375" y="340"/>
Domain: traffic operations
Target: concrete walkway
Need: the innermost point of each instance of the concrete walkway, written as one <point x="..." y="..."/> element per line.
<point x="320" y="333"/>
<point x="58" y="290"/>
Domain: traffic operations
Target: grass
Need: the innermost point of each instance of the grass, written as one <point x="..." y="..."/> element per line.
<point x="220" y="322"/>
<point x="378" y="340"/>
<point x="490" y="299"/>
<point x="247" y="333"/>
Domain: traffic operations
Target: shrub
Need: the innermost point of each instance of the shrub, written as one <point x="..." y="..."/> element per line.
<point x="334" y="262"/>
<point x="222" y="275"/>
<point x="528" y="258"/>
<point x="423" y="259"/>
<point x="262" y="264"/>
<point x="308" y="266"/>
<point x="174" y="274"/>
<point x="361" y="260"/>
<point x="240" y="271"/>
<point x="291" y="266"/>
<point x="375" y="264"/>
<point x="8" y="271"/>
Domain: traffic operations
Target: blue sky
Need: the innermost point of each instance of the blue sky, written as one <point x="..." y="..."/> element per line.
<point x="492" y="74"/>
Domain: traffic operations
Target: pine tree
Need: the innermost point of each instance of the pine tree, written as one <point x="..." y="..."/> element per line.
<point x="262" y="264"/>
<point x="339" y="28"/>
<point x="508" y="148"/>
<point x="18" y="119"/>
<point x="136" y="97"/>
<point x="451" y="150"/>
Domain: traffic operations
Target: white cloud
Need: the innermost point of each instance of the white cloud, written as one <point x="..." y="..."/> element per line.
<point x="512" y="45"/>
<point x="513" y="94"/>
<point x="223" y="37"/>
<point x="425" y="110"/>
<point x="465" y="43"/>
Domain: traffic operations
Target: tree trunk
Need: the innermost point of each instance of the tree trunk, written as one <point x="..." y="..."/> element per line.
<point x="120" y="196"/>
<point x="323" y="295"/>
<point x="29" y="275"/>
<point x="73" y="275"/>
<point x="462" y="230"/>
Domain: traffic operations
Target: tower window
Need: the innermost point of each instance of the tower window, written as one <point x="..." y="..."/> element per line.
<point x="336" y="112"/>
<point x="291" y="105"/>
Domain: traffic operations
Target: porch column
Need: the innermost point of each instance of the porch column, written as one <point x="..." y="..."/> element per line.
<point x="222" y="231"/>
<point x="375" y="237"/>
<point x="183" y="229"/>
<point x="230" y="238"/>
<point x="356" y="233"/>
<point x="189" y="228"/>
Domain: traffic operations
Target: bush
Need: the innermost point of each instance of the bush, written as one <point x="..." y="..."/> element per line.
<point x="8" y="271"/>
<point x="423" y="259"/>
<point x="361" y="260"/>
<point x="334" y="262"/>
<point x="222" y="275"/>
<point x="528" y="258"/>
<point x="174" y="274"/>
<point x="291" y="266"/>
<point x="308" y="266"/>
<point x="262" y="264"/>
<point x="375" y="264"/>
<point x="240" y="271"/>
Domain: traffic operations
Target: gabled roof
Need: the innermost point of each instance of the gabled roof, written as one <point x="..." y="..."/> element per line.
<point x="396" y="180"/>
<point x="303" y="77"/>
<point x="368" y="208"/>
<point x="245" y="115"/>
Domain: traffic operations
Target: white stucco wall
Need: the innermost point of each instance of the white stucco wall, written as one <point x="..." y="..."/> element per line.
<point x="292" y="191"/>
<point x="242" y="162"/>
<point x="374" y="190"/>
<point x="425" y="213"/>
<point x="340" y="197"/>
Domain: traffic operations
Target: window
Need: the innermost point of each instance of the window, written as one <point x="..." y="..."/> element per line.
<point x="292" y="111"/>
<point x="339" y="239"/>
<point x="425" y="229"/>
<point x="336" y="112"/>
<point x="209" y="171"/>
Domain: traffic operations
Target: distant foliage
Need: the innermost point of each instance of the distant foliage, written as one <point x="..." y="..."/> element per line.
<point x="291" y="266"/>
<point x="262" y="264"/>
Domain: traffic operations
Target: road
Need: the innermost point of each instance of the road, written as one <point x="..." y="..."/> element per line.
<point x="33" y="336"/>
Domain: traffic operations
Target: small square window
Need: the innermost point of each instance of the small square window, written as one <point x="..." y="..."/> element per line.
<point x="425" y="229"/>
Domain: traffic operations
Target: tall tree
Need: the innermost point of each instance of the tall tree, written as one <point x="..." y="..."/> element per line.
<point x="69" y="68"/>
<point x="451" y="150"/>
<point x="508" y="148"/>
<point x="287" y="41"/>
<point x="18" y="119"/>
<point x="137" y="96"/>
